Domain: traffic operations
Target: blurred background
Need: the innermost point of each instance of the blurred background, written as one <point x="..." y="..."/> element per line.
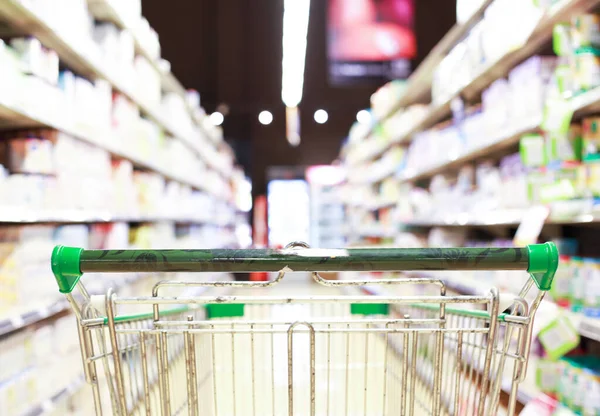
<point x="237" y="124"/>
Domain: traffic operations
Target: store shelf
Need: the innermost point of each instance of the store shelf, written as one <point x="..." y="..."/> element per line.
<point x="16" y="117"/>
<point x="47" y="406"/>
<point x="587" y="326"/>
<point x="418" y="85"/>
<point x="582" y="105"/>
<point x="502" y="141"/>
<point x="105" y="10"/>
<point x="372" y="231"/>
<point x="74" y="216"/>
<point x="82" y="56"/>
<point x="541" y="35"/>
<point x="22" y="320"/>
<point x="508" y="217"/>
<point x="500" y="68"/>
<point x="590" y="328"/>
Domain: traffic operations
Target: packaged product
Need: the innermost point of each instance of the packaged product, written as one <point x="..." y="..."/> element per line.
<point x="565" y="147"/>
<point x="567" y="182"/>
<point x="577" y="284"/>
<point x="535" y="181"/>
<point x="561" y="285"/>
<point x="565" y="385"/>
<point x="587" y="68"/>
<point x="577" y="386"/>
<point x="547" y="375"/>
<point x="562" y="43"/>
<point x="585" y="30"/>
<point x="533" y="150"/>
<point x="593" y="178"/>
<point x="564" y="79"/>
<point x="591" y="272"/>
<point x="591" y="403"/>
<point x="28" y="154"/>
<point x="591" y="139"/>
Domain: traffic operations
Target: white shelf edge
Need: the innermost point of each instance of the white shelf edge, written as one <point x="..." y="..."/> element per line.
<point x="48" y="405"/>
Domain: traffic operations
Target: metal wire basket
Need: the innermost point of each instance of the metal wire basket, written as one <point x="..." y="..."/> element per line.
<point x="334" y="354"/>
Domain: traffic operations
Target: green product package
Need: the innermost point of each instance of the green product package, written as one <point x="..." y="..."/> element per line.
<point x="591" y="276"/>
<point x="561" y="39"/>
<point x="565" y="147"/>
<point x="547" y="376"/>
<point x="535" y="181"/>
<point x="559" y="337"/>
<point x="563" y="78"/>
<point x="591" y="140"/>
<point x="587" y="68"/>
<point x="533" y="150"/>
<point x="568" y="182"/>
<point x="577" y="284"/>
<point x="593" y="178"/>
<point x="561" y="285"/>
<point x="558" y="114"/>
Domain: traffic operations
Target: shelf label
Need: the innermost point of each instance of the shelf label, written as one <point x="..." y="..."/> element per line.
<point x="531" y="225"/>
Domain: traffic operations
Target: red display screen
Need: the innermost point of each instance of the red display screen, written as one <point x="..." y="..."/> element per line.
<point x="370" y="39"/>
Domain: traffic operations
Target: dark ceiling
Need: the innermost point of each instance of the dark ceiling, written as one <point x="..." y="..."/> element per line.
<point x="230" y="51"/>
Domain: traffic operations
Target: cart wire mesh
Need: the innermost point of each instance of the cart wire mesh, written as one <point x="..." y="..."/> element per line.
<point x="242" y="354"/>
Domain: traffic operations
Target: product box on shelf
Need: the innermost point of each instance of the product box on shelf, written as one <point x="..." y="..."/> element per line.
<point x="35" y="59"/>
<point x="147" y="82"/>
<point x="27" y="153"/>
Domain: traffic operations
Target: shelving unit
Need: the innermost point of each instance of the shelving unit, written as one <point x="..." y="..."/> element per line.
<point x="437" y="112"/>
<point x="211" y="184"/>
<point x="419" y="83"/>
<point x="16" y="118"/>
<point x="81" y="58"/>
<point x="49" y="405"/>
<point x="373" y="171"/>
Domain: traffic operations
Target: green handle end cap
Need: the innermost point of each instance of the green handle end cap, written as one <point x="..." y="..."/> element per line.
<point x="543" y="262"/>
<point x="65" y="266"/>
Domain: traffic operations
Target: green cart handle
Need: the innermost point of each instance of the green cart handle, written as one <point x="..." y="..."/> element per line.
<point x="69" y="263"/>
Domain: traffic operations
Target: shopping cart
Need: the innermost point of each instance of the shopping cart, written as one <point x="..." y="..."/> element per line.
<point x="342" y="354"/>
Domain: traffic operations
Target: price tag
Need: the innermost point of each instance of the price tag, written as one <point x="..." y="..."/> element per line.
<point x="531" y="225"/>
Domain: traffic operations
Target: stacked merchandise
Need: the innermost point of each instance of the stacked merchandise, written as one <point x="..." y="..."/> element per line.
<point x="506" y="132"/>
<point x="101" y="148"/>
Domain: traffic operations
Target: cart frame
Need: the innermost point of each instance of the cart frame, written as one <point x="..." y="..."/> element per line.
<point x="139" y="353"/>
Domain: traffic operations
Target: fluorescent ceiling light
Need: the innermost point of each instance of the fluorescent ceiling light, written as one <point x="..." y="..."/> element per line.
<point x="295" y="27"/>
<point x="216" y="118"/>
<point x="265" y="117"/>
<point x="321" y="116"/>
